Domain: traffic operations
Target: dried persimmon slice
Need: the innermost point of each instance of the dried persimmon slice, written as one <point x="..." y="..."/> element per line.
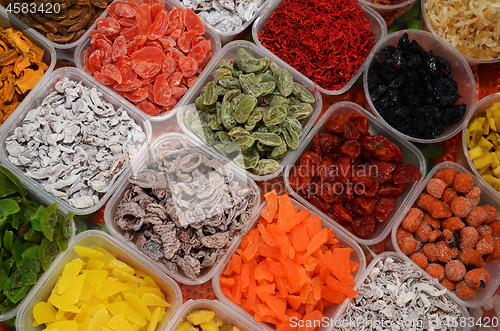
<point x="136" y="44"/>
<point x="126" y="21"/>
<point x="86" y="64"/>
<point x="193" y="22"/>
<point x="137" y="95"/>
<point x="200" y="50"/>
<point x="112" y="72"/>
<point x="148" y="108"/>
<point x="146" y="69"/>
<point x="127" y="87"/>
<point x="188" y="66"/>
<point x="95" y="62"/>
<point x="159" y="26"/>
<point x="131" y="33"/>
<point x="178" y="91"/>
<point x="162" y="91"/>
<point x="155" y="10"/>
<point x="169" y="65"/>
<point x="107" y="26"/>
<point x="148" y="53"/>
<point x="119" y="48"/>
<point x="185" y="40"/>
<point x="175" y="78"/>
<point x="103" y="79"/>
<point x="143" y="17"/>
<point x="175" y="20"/>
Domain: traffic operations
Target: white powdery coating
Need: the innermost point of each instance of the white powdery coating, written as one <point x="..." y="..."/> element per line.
<point x="75" y="144"/>
<point x="472" y="27"/>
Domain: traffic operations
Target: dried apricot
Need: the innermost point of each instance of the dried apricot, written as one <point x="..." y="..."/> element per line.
<point x="408" y="245"/>
<point x="455" y="270"/>
<point x="429" y="251"/>
<point x="486" y="245"/>
<point x="447" y="175"/>
<point x="420" y="259"/>
<point x="453" y="224"/>
<point x="435" y="270"/>
<point x="471" y="258"/>
<point x="425" y="200"/>
<point x="460" y="207"/>
<point x="423" y="232"/>
<point x="463" y="183"/>
<point x="476" y="216"/>
<point x="491" y="213"/>
<point x="448" y="195"/>
<point x="439" y="209"/>
<point x="445" y="253"/>
<point x="435" y="187"/>
<point x="468" y="237"/>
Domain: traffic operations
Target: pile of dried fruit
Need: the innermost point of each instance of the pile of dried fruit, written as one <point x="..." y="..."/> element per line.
<point x="184" y="208"/>
<point x="61" y="21"/>
<point x="31" y="238"/>
<point x="147" y="54"/>
<point x="252" y="112"/>
<point x="482" y="141"/>
<point x="352" y="176"/>
<point x="101" y="291"/>
<point x="449" y="236"/>
<point x="414" y="90"/>
<point x="207" y="320"/>
<point x="289" y="266"/>
<point x="75" y="144"/>
<point x="22" y="66"/>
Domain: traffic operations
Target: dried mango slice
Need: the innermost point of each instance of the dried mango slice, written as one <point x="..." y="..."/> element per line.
<point x="28" y="79"/>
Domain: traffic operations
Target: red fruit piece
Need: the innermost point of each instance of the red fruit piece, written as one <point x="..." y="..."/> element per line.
<point x="119" y="48"/>
<point x="300" y="178"/>
<point x="155" y="43"/>
<point x="137" y="95"/>
<point x="146" y="69"/>
<point x="384" y="208"/>
<point x="159" y="26"/>
<point x="107" y="26"/>
<point x="364" y="206"/>
<point x="130" y="33"/>
<point x="128" y="75"/>
<point x="86" y="57"/>
<point x="196" y="40"/>
<point x="127" y="87"/>
<point x="312" y="162"/>
<point x="350" y="131"/>
<point x="175" y="78"/>
<point x="200" y="50"/>
<point x="148" y="53"/>
<point x="103" y="79"/>
<point x="178" y="92"/>
<point x="167" y="42"/>
<point x="336" y="123"/>
<point x="193" y="22"/>
<point x="341" y="213"/>
<point x="351" y="149"/>
<point x="112" y="72"/>
<point x="191" y="81"/>
<point x="162" y="91"/>
<point x="148" y="108"/>
<point x="175" y="20"/>
<point x="406" y="173"/>
<point x="143" y="17"/>
<point x="95" y="62"/>
<point x="343" y="170"/>
<point x="156" y="9"/>
<point x="380" y="147"/>
<point x="169" y="65"/>
<point x="360" y="122"/>
<point x="122" y="8"/>
<point x="363" y="227"/>
<point x="128" y="22"/>
<point x="188" y="66"/>
<point x="381" y="171"/>
<point x="106" y="49"/>
<point x="388" y="190"/>
<point x="185" y="39"/>
<point x="136" y="44"/>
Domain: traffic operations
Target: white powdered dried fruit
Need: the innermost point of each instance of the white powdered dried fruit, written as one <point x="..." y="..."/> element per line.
<point x="75" y="144"/>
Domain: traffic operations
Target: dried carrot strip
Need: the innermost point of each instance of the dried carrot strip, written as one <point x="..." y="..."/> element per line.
<point x="262" y="310"/>
<point x="252" y="295"/>
<point x="265" y="290"/>
<point x="226" y="281"/>
<point x="263" y="272"/>
<point x="294" y="301"/>
<point x="304" y="292"/>
<point x="277" y="305"/>
<point x="277" y="269"/>
<point x="236" y="292"/>
<point x="312" y="225"/>
<point x="227" y="292"/>
<point x="236" y="263"/>
<point x="253" y="246"/>
<point x="315" y="315"/>
<point x="341" y="287"/>
<point x="281" y="284"/>
<point x="317" y="241"/>
<point x="291" y="271"/>
<point x="317" y="287"/>
<point x="269" y="252"/>
<point x="353" y="266"/>
<point x="245" y="277"/>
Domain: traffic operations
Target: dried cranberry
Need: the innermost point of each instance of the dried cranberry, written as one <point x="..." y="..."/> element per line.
<point x="328" y="171"/>
<point x="336" y="123"/>
<point x="364" y="206"/>
<point x="351" y="131"/>
<point x="381" y="147"/>
<point x="381" y="171"/>
<point x="316" y="148"/>
<point x="360" y="122"/>
<point x="327" y="192"/>
<point x="406" y="173"/>
<point x="312" y="162"/>
<point x="384" y="208"/>
<point x="341" y="213"/>
<point x="319" y="203"/>
<point x="363" y="227"/>
<point x="351" y="149"/>
<point x="343" y="170"/>
<point x="329" y="143"/>
<point x="390" y="190"/>
<point x="300" y="178"/>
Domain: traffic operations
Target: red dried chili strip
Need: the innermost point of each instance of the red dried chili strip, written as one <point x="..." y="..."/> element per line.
<point x="326" y="40"/>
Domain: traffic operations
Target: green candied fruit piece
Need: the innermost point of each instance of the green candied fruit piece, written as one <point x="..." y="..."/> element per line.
<point x="285" y="83"/>
<point x="270" y="129"/>
<point x="204" y="108"/>
<point x="279" y="151"/>
<point x="279" y="101"/>
<point x="244" y="108"/>
<point x="227" y="116"/>
<point x="223" y="136"/>
<point x="213" y="123"/>
<point x="230" y="82"/>
<point x="236" y="100"/>
<point x="222" y="72"/>
<point x="10" y="183"/>
<point x="7" y="207"/>
<point x="228" y="97"/>
<point x="302" y="93"/>
<point x="264" y="148"/>
<point x="238" y="131"/>
<point x="255" y="116"/>
<point x="248" y="63"/>
<point x="269" y="139"/>
<point x="250" y="86"/>
<point x="237" y="73"/>
<point x="300" y="111"/>
<point x="266" y="166"/>
<point x="275" y="69"/>
<point x="226" y="64"/>
<point x="221" y="91"/>
<point x="210" y="97"/>
<point x="245" y="142"/>
<point x="8" y="240"/>
<point x="233" y="147"/>
<point x="33" y="236"/>
<point x="267" y="88"/>
<point x="274" y="115"/>
<point x="47" y="253"/>
<point x="222" y="148"/>
<point x="267" y="77"/>
<point x="249" y="127"/>
<point x="48" y="221"/>
<point x="292" y="130"/>
<point x="251" y="159"/>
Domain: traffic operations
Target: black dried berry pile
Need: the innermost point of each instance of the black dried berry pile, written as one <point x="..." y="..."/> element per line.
<point x="414" y="90"/>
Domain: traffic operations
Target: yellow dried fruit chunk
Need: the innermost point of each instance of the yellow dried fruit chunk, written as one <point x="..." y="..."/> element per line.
<point x="186" y="326"/>
<point x="43" y="313"/>
<point x="70" y="272"/>
<point x="94" y="264"/>
<point x="72" y="294"/>
<point x="82" y="316"/>
<point x="128" y="311"/>
<point x="87" y="252"/>
<point x="109" y="288"/>
<point x="143" y="290"/>
<point x="200" y="316"/>
<point x="63" y="325"/>
<point x="125" y="276"/>
<point x="150" y="299"/>
<point x="101" y="318"/>
<point x="95" y="309"/>
<point x="149" y="282"/>
<point x="62" y="304"/>
<point x="119" y="323"/>
<point x="96" y="278"/>
<point x="84" y="326"/>
<point x="138" y="304"/>
<point x="60" y="315"/>
<point x="154" y="320"/>
<point x="115" y="264"/>
<point x="210" y="326"/>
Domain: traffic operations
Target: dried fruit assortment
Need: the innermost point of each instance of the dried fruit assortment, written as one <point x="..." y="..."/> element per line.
<point x="414" y="90"/>
<point x="448" y="235"/>
<point x="22" y="66"/>
<point x="61" y="21"/>
<point x="147" y="54"/>
<point x="352" y="176"/>
<point x="483" y="134"/>
<point x="75" y="144"/>
<point x="394" y="293"/>
<point x="206" y="319"/>
<point x="288" y="266"/>
<point x="327" y="41"/>
<point x="31" y="238"/>
<point x="252" y="112"/>
<point x="184" y="208"/>
<point x="226" y="15"/>
<point x="100" y="291"/>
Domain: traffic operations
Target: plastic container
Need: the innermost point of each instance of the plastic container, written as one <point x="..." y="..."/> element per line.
<point x="356" y="256"/>
<point x="228" y="53"/>
<point x="463" y="152"/>
<point x="66" y="47"/>
<point x="209" y="34"/>
<point x="411" y="155"/>
<point x="49" y="53"/>
<point x="14" y="312"/>
<point x="227" y="37"/>
<point x="484" y="294"/>
<point x="222" y="311"/>
<point x="386" y="10"/>
<point x="428" y="27"/>
<point x="91" y="239"/>
<point x="462" y="74"/>
<point x="378" y="27"/>
<point x="34" y="100"/>
<point x="117" y="232"/>
<point x="464" y="314"/>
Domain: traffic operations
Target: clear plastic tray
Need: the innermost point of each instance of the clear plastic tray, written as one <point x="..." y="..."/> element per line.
<point x="14" y="312"/>
<point x="49" y="53"/>
<point x="428" y="27"/>
<point x="382" y="257"/>
<point x="34" y="100"/>
<point x="386" y="10"/>
<point x="66" y="47"/>
<point x="222" y="311"/>
<point x="356" y="256"/>
<point x="411" y="155"/>
<point x="117" y="232"/>
<point x="484" y="294"/>
<point x="461" y="73"/>
<point x="378" y="27"/>
<point x="91" y="239"/>
<point x="228" y="53"/>
<point x="463" y="152"/>
<point x="227" y="37"/>
<point x="210" y="34"/>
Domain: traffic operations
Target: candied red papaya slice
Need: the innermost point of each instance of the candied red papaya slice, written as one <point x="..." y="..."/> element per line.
<point x="127" y="87"/>
<point x="123" y="8"/>
<point x="147" y="81"/>
<point x="113" y="72"/>
<point x="98" y="36"/>
<point x="185" y="40"/>
<point x="137" y="95"/>
<point x="197" y="40"/>
<point x="146" y="69"/>
<point x="175" y="34"/>
<point x="204" y="63"/>
<point x="167" y="42"/>
<point x="178" y="91"/>
<point x="86" y="64"/>
<point x="169" y="65"/>
<point x="162" y="91"/>
<point x="155" y="10"/>
<point x="95" y="62"/>
<point x="119" y="48"/>
<point x="175" y="78"/>
<point x="175" y="53"/>
<point x="127" y="22"/>
<point x="154" y="43"/>
<point x="148" y="108"/>
<point x="193" y="22"/>
<point x="200" y="50"/>
<point x="175" y="20"/>
<point x="188" y="66"/>
<point x="106" y="49"/>
<point x="159" y="26"/>
<point x="143" y="17"/>
<point x="170" y="106"/>
<point x="149" y="53"/>
<point x="136" y="44"/>
<point x="131" y="33"/>
<point x="103" y="79"/>
<point x="191" y="81"/>
<point x="107" y="26"/>
<point x="149" y="88"/>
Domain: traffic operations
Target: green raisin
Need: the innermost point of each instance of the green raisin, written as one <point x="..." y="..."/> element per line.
<point x="269" y="139"/>
<point x="227" y="115"/>
<point x="292" y="130"/>
<point x="279" y="151"/>
<point x="267" y="88"/>
<point x="285" y="83"/>
<point x="210" y="97"/>
<point x="248" y="63"/>
<point x="300" y="111"/>
<point x="302" y="93"/>
<point x="244" y="108"/>
<point x="230" y="95"/>
<point x="238" y="131"/>
<point x="225" y="64"/>
<point x="245" y="142"/>
<point x="204" y="108"/>
<point x="279" y="101"/>
<point x="266" y="166"/>
<point x="274" y="115"/>
<point x="223" y="136"/>
<point x="230" y="82"/>
<point x="222" y="72"/>
<point x="255" y="116"/>
<point x="249" y="86"/>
